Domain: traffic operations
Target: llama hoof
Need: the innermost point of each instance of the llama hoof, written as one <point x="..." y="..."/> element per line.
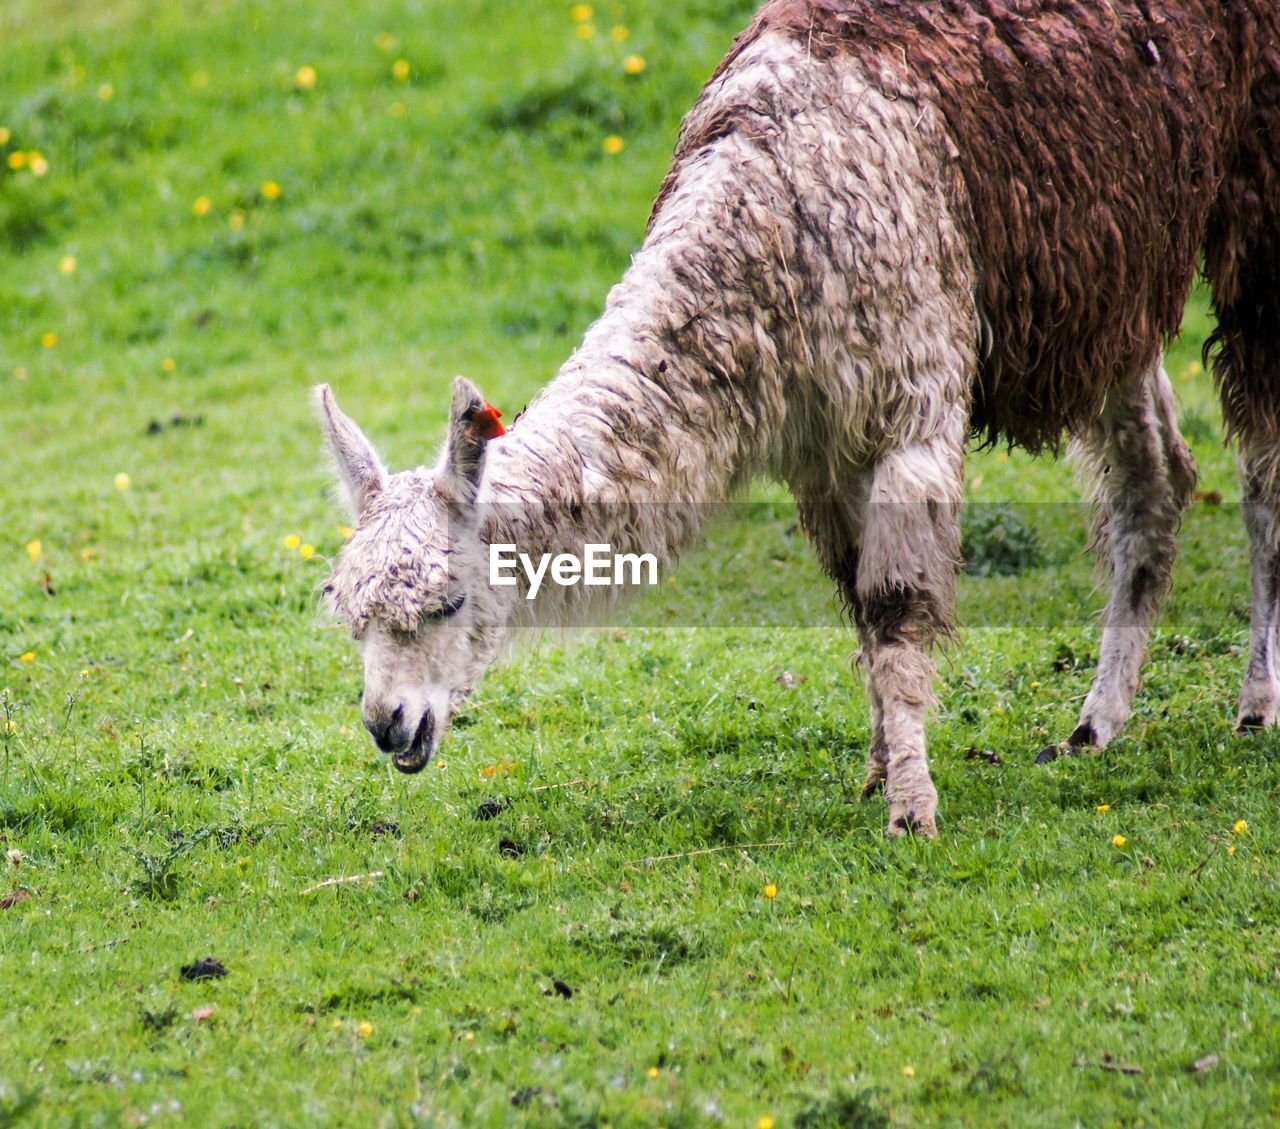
<point x="1082" y="734"/>
<point x="911" y="824"/>
<point x="1251" y="723"/>
<point x="1047" y="755"/>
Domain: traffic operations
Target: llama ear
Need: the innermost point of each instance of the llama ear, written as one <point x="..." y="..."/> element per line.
<point x="473" y="421"/>
<point x="359" y="469"/>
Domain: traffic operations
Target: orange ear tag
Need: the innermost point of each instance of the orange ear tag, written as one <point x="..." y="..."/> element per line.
<point x="487" y="422"/>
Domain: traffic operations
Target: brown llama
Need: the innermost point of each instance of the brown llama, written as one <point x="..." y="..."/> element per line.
<point x="890" y="225"/>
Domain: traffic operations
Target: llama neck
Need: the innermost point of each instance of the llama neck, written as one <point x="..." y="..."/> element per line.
<point x="633" y="444"/>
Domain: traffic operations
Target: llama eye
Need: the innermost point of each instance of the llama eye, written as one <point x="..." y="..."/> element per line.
<point x="450" y="607"/>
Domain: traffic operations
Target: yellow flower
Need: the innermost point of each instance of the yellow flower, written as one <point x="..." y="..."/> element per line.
<point x="345" y="532"/>
<point x="49" y="340"/>
<point x="270" y="190"/>
<point x="37" y="164"/>
<point x="765" y="1122"/>
<point x="106" y="92"/>
<point x="908" y="1072"/>
<point x="28" y="656"/>
<point x="235" y="220"/>
<point x="200" y="79"/>
<point x="1118" y="840"/>
<point x="1240" y="826"/>
<point x="306" y="552"/>
<point x="305" y="78"/>
<point x="67" y="264"/>
<point x="10" y="727"/>
<point x="1104" y="807"/>
<point x="34" y="550"/>
<point x="201" y="206"/>
<point x="1035" y="685"/>
<point x="400" y="70"/>
<point x="17" y="159"/>
<point x="585" y="31"/>
<point x="292" y="541"/>
<point x="580" y="13"/>
<point x="1231" y="849"/>
<point x="634" y="64"/>
<point x="771" y="891"/>
<point x="4" y="136"/>
<point x="365" y="1029"/>
<point x="619" y="34"/>
<point x="20" y="373"/>
<point x="168" y="364"/>
<point x="88" y="553"/>
<point x="652" y="1072"/>
<point x="84" y="673"/>
<point x="121" y="481"/>
<point x="613" y="145"/>
<point x="384" y="41"/>
<point x="336" y="1024"/>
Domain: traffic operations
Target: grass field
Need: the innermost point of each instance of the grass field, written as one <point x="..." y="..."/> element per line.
<point x="680" y="913"/>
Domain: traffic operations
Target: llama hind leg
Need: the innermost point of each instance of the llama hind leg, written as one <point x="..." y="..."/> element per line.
<point x="1260" y="692"/>
<point x="1144" y="475"/>
<point x="905" y="595"/>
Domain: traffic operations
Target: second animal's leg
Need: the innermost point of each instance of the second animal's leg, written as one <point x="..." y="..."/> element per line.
<point x="1144" y="476"/>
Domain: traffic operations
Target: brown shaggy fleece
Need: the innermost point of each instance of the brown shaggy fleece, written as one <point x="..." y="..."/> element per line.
<point x="1099" y="148"/>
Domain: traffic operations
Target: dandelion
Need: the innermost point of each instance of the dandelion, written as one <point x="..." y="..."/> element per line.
<point x="4" y="135"/>
<point x="67" y="264"/>
<point x="585" y="31"/>
<point x="634" y="64"/>
<point x="292" y="541"/>
<point x="10" y="727"/>
<point x="1104" y="807"/>
<point x="365" y="1029"/>
<point x="34" y="549"/>
<point x="49" y="340"/>
<point x="168" y="364"/>
<point x="908" y="1072"/>
<point x="235" y="220"/>
<point x="1240" y="826"/>
<point x="37" y="164"/>
<point x="201" y="206"/>
<point x="1035" y="685"/>
<point x="121" y="481"/>
<point x="400" y="70"/>
<point x="765" y="1122"/>
<point x="384" y="41"/>
<point x="613" y="145"/>
<point x="84" y="673"/>
<point x="1118" y="840"/>
<point x="200" y="80"/>
<point x="106" y="92"/>
<point x="580" y="13"/>
<point x="652" y="1072"/>
<point x="15" y="856"/>
<point x="28" y="656"/>
<point x="305" y="78"/>
<point x="1231" y="849"/>
<point x="88" y="553"/>
<point x="336" y="1025"/>
<point x="17" y="159"/>
<point x="771" y="891"/>
<point x="345" y="532"/>
<point x="270" y="190"/>
<point x="619" y="34"/>
<point x="306" y="552"/>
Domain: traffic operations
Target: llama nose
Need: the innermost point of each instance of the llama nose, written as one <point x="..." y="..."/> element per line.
<point x="388" y="729"/>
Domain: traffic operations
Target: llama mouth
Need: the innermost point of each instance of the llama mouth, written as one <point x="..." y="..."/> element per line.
<point x="417" y="755"/>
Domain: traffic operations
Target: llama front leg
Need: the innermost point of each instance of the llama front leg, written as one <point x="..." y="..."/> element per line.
<point x="1260" y="693"/>
<point x="905" y="596"/>
<point x="1144" y="476"/>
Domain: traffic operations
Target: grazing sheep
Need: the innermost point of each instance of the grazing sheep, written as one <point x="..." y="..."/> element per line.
<point x="889" y="226"/>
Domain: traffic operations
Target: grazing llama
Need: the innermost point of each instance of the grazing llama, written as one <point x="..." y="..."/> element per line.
<point x="889" y="226"/>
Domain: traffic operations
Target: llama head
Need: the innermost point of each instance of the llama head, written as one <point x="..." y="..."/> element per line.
<point x="410" y="582"/>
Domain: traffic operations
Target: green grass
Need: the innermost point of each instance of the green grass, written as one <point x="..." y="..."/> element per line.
<point x="186" y="759"/>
